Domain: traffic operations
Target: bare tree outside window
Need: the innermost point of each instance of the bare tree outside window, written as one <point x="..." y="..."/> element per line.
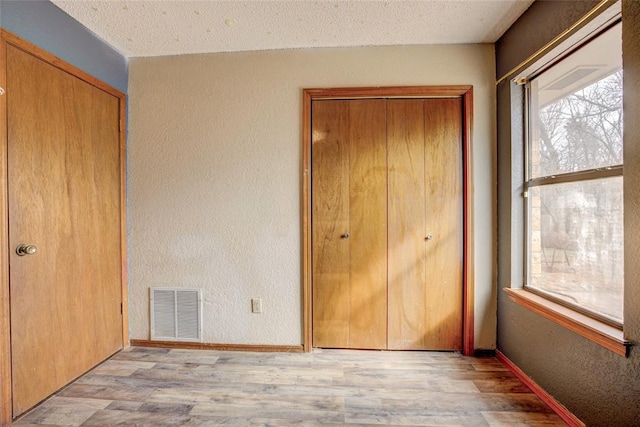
<point x="575" y="204"/>
<point x="583" y="130"/>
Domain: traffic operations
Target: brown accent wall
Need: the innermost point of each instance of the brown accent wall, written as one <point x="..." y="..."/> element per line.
<point x="536" y="27"/>
<point x="598" y="386"/>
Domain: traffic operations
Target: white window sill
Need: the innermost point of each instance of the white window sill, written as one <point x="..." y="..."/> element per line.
<point x="591" y="329"/>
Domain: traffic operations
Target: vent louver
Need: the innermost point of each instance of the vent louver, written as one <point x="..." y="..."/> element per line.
<point x="176" y="314"/>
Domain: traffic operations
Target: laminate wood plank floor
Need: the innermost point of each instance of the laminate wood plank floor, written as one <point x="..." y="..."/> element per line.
<point x="163" y="387"/>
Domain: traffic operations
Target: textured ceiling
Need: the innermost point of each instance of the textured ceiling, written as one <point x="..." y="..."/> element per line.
<point x="154" y="28"/>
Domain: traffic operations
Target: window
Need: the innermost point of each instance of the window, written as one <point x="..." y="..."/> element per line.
<point x="573" y="188"/>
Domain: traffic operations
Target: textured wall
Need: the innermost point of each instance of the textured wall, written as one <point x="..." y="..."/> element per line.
<point x="43" y="24"/>
<point x="631" y="64"/>
<point x="555" y="14"/>
<point x="598" y="386"/>
<point x="215" y="176"/>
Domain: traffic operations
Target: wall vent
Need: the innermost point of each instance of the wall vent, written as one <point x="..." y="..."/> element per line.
<point x="176" y="314"/>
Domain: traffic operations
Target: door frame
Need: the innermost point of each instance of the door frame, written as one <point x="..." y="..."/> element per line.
<point x="8" y="38"/>
<point x="465" y="93"/>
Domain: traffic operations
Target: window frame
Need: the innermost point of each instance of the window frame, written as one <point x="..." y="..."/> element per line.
<point x="566" y="177"/>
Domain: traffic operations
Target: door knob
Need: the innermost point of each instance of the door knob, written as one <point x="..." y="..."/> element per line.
<point x="24" y="249"/>
<point x="345" y="236"/>
<point x="429" y="237"/>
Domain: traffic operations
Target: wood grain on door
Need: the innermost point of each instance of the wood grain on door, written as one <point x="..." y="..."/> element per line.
<point x="387" y="220"/>
<point x="64" y="198"/>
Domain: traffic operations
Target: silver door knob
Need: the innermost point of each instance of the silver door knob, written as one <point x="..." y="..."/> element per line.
<point x="345" y="236"/>
<point x="429" y="237"/>
<point x="24" y="249"/>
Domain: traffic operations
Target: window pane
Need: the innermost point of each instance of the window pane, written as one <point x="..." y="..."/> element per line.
<point x="575" y="242"/>
<point x="576" y="110"/>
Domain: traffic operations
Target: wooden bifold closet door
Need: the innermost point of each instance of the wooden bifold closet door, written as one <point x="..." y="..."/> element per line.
<point x="387" y="223"/>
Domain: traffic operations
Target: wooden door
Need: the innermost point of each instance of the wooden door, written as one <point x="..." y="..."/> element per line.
<point x="425" y="224"/>
<point x="64" y="198"/>
<point x="389" y="172"/>
<point x="331" y="286"/>
<point x="407" y="224"/>
<point x="349" y="224"/>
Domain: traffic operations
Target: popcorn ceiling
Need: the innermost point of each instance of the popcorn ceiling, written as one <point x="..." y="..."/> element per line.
<point x="157" y="28"/>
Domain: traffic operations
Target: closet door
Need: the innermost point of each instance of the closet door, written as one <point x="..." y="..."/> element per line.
<point x="64" y="212"/>
<point x="349" y="224"/>
<point x="330" y="222"/>
<point x="407" y="225"/>
<point x="387" y="224"/>
<point x="425" y="224"/>
<point x="368" y="224"/>
<point x="444" y="223"/>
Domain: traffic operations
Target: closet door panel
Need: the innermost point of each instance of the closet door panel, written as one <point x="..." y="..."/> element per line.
<point x="330" y="213"/>
<point x="406" y="228"/>
<point x="368" y="224"/>
<point x="444" y="195"/>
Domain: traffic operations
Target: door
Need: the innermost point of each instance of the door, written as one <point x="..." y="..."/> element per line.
<point x="387" y="224"/>
<point x="425" y="224"/>
<point x="64" y="208"/>
<point x="349" y="212"/>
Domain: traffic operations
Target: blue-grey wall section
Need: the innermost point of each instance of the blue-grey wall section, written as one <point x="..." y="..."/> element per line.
<point x="43" y="24"/>
<point x="598" y="386"/>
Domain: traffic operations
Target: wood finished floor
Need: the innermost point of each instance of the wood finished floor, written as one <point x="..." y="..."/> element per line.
<point x="159" y="387"/>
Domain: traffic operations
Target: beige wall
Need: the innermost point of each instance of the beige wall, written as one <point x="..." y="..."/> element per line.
<point x="215" y="176"/>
